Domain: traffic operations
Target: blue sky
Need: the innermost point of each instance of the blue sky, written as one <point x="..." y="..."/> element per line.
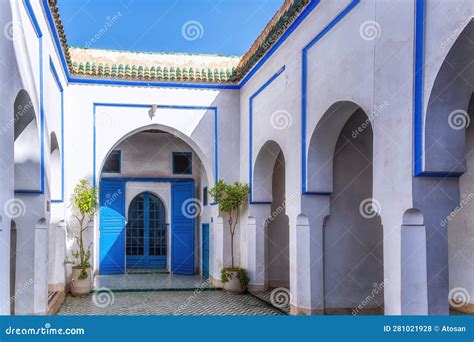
<point x="226" y="27"/>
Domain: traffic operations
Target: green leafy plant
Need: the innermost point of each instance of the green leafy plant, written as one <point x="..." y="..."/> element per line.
<point x="85" y="204"/>
<point x="242" y="275"/>
<point x="230" y="198"/>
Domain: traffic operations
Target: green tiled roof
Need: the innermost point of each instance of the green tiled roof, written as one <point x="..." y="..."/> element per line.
<point x="128" y="71"/>
<point x="214" y="71"/>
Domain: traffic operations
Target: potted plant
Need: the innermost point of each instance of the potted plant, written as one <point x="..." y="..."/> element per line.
<point x="230" y="198"/>
<point x="84" y="208"/>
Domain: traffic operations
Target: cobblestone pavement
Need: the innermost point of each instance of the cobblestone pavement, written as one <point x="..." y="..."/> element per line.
<point x="197" y="302"/>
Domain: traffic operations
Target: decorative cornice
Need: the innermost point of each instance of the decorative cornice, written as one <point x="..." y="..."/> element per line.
<point x="152" y="66"/>
<point x="281" y="21"/>
<point x="190" y="72"/>
<point x="60" y="30"/>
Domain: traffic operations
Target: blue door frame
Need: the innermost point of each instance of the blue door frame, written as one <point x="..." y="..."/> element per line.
<point x="146" y="239"/>
<point x="205" y="250"/>
<point x="112" y="257"/>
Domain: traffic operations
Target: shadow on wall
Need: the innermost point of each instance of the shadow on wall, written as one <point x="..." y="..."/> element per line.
<point x="278" y="234"/>
<point x="353" y="234"/>
<point x="446" y="145"/>
<point x="27" y="144"/>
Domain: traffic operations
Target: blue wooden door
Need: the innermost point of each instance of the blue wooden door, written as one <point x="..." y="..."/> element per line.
<point x="205" y="250"/>
<point x="182" y="228"/>
<point x="146" y="232"/>
<point x="112" y="227"/>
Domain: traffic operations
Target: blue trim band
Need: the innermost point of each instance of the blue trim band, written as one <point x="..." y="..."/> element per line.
<point x="32" y="16"/>
<point x="55" y="75"/>
<point x="41" y="112"/>
<point x="304" y="89"/>
<point x="418" y="86"/>
<point x="254" y="95"/>
<point x="138" y="105"/>
<point x="149" y="179"/>
<point x="52" y="68"/>
<point x="419" y="169"/>
<point x="311" y="6"/>
<point x="29" y="192"/>
<point x="77" y="80"/>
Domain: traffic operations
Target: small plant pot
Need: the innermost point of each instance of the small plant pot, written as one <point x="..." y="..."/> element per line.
<point x="80" y="287"/>
<point x="233" y="285"/>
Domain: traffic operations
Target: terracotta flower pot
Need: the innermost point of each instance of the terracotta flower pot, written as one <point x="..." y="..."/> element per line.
<point x="80" y="287"/>
<point x="233" y="285"/>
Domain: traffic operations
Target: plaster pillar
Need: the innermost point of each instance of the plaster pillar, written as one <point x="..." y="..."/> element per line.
<point x="41" y="268"/>
<point x="414" y="285"/>
<point x="307" y="268"/>
<point x="57" y="255"/>
<point x="307" y="257"/>
<point x="31" y="283"/>
<point x="256" y="226"/>
<point x="4" y="267"/>
<point x="7" y="98"/>
<point x="216" y="250"/>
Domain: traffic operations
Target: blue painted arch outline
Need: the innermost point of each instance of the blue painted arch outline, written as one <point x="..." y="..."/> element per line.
<point x="418" y="134"/>
<point x="251" y="99"/>
<point x="418" y="109"/>
<point x="304" y="93"/>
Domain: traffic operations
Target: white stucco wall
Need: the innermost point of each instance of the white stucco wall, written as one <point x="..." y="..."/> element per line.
<point x="374" y="73"/>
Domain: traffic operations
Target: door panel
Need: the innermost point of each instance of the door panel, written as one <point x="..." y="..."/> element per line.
<point x="146" y="232"/>
<point x="112" y="227"/>
<point x="182" y="228"/>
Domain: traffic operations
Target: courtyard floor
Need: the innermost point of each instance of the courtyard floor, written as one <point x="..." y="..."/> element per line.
<point x="160" y="293"/>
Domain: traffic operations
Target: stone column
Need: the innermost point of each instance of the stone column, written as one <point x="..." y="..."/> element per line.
<point x="4" y="267"/>
<point x="41" y="268"/>
<point x="7" y="98"/>
<point x="31" y="283"/>
<point x="306" y="257"/>
<point x="414" y="285"/>
<point x="256" y="226"/>
<point x="216" y="250"/>
<point x="57" y="255"/>
<point x="307" y="268"/>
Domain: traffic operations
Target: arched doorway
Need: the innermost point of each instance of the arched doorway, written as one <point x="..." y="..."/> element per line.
<point x="353" y="235"/>
<point x="443" y="191"/>
<point x="146" y="233"/>
<point x="28" y="174"/>
<point x="268" y="212"/>
<point x="460" y="224"/>
<point x="277" y="234"/>
<point x="151" y="211"/>
<point x="340" y="163"/>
